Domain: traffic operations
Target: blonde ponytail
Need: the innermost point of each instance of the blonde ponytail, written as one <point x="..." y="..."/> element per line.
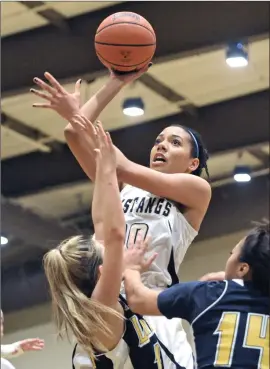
<point x="69" y="271"/>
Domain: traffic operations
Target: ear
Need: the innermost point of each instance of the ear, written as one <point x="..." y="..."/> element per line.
<point x="100" y="270"/>
<point x="243" y="270"/>
<point x="194" y="164"/>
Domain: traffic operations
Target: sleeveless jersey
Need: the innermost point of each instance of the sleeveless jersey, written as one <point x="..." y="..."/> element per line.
<point x="230" y="321"/>
<point x="170" y="232"/>
<point x="139" y="348"/>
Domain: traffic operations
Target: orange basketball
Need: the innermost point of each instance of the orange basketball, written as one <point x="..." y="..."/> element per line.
<point x="125" y="41"/>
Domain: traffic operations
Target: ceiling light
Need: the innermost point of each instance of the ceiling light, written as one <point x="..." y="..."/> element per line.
<point x="237" y="55"/>
<point x="4" y="240"/>
<point x="242" y="173"/>
<point x="133" y="107"/>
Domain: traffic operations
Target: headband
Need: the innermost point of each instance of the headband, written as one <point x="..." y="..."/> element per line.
<point x="196" y="143"/>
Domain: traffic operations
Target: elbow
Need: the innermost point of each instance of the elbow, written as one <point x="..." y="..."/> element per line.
<point x="116" y="235"/>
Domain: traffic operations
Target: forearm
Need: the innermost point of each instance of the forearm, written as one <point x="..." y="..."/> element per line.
<point x="108" y="204"/>
<point x="97" y="103"/>
<point x="82" y="148"/>
<point x="141" y="299"/>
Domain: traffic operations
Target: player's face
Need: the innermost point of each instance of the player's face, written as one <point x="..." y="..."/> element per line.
<point x="172" y="152"/>
<point x="236" y="269"/>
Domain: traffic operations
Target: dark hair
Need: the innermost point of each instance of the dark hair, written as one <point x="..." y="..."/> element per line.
<point x="256" y="253"/>
<point x="199" y="151"/>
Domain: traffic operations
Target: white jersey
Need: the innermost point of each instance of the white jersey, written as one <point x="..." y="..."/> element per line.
<point x="170" y="233"/>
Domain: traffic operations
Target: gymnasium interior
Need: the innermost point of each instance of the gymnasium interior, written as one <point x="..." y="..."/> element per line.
<point x="46" y="197"/>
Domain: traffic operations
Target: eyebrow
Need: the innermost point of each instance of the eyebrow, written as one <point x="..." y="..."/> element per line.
<point x="176" y="136"/>
<point x="173" y="135"/>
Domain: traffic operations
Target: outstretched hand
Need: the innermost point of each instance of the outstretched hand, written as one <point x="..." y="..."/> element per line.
<point x="32" y="344"/>
<point x="134" y="257"/>
<point x="58" y="99"/>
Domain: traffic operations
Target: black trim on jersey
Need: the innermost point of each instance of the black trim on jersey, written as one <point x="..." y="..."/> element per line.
<point x="73" y="355"/>
<point x="170" y="226"/>
<point x="171" y="270"/>
<point x="170" y="356"/>
<point x="106" y="362"/>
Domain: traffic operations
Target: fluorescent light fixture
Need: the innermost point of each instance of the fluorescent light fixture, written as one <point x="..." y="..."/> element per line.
<point x="133" y="107"/>
<point x="242" y="174"/>
<point x="4" y="240"/>
<point x="242" y="177"/>
<point x="237" y="55"/>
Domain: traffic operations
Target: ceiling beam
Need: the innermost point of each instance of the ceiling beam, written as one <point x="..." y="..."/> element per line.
<point x="51" y="15"/>
<point x="33" y="229"/>
<point x="224" y="126"/>
<point x="168" y="93"/>
<point x="161" y="89"/>
<point x="37" y="138"/>
<point x="260" y="155"/>
<point x="235" y="206"/>
<point x="33" y="135"/>
<point x="73" y="55"/>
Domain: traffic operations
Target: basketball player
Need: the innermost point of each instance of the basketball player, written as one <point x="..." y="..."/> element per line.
<point x="230" y="318"/>
<point x="164" y="201"/>
<point x="85" y="278"/>
<point x="17" y="348"/>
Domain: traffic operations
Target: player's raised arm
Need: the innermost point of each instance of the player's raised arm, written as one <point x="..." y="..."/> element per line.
<point x="107" y="194"/>
<point x="67" y="105"/>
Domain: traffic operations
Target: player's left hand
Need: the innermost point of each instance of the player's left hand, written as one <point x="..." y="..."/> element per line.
<point x="134" y="257"/>
<point x="32" y="344"/>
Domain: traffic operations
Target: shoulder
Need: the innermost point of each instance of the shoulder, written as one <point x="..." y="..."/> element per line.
<point x="196" y="190"/>
<point x="189" y="300"/>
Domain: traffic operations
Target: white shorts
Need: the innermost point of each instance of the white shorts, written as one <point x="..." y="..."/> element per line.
<point x="171" y="333"/>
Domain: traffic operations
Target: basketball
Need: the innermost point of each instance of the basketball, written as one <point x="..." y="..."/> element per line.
<point x="125" y="42"/>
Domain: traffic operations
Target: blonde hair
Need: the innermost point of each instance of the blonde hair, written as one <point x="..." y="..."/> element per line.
<point x="72" y="273"/>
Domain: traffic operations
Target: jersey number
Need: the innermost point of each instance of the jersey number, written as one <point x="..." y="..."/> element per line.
<point x="144" y="334"/>
<point x="134" y="230"/>
<point x="256" y="337"/>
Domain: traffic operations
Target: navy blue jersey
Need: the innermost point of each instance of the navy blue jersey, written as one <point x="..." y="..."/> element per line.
<point x="139" y="348"/>
<point x="230" y="321"/>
